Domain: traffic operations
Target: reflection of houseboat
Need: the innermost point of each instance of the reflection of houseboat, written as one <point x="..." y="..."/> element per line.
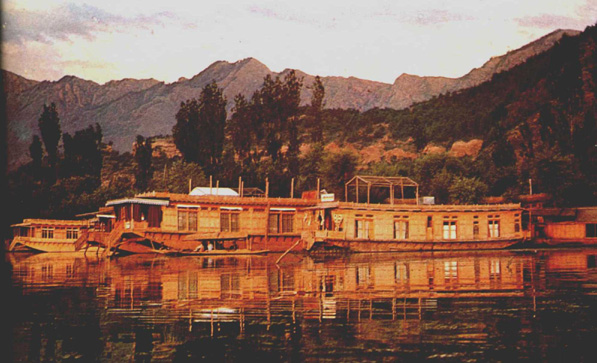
<point x="49" y="235"/>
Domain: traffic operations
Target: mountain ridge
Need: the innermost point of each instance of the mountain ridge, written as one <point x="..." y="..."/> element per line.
<point x="127" y="107"/>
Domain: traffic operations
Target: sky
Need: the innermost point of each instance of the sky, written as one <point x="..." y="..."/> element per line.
<point x="371" y="39"/>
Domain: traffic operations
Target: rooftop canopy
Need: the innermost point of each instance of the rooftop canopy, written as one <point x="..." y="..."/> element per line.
<point x="399" y="188"/>
<point x="228" y="192"/>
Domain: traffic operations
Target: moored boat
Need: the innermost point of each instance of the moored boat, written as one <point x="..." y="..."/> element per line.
<point x="398" y="222"/>
<point x="49" y="235"/>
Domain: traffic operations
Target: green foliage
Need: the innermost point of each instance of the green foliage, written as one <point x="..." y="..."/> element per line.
<point x="310" y="168"/>
<point x="175" y="177"/>
<point x="49" y="126"/>
<point x="467" y="190"/>
<point x="314" y="111"/>
<point x="200" y="128"/>
<point x="143" y="158"/>
<point x="36" y="152"/>
<point x="337" y="169"/>
<point x="82" y="153"/>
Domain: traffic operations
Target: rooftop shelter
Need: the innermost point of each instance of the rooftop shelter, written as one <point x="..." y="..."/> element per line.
<point x="381" y="189"/>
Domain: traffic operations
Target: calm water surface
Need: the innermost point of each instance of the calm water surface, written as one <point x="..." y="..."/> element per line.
<point x="482" y="306"/>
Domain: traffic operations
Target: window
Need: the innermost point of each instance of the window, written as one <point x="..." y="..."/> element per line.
<point x="281" y="221"/>
<point x="429" y="221"/>
<point x="449" y="231"/>
<point x="229" y="221"/>
<point x="493" y="226"/>
<point x="517" y="225"/>
<point x="183" y="218"/>
<point x="192" y="220"/>
<point x="363" y="226"/>
<point x="47" y="232"/>
<point x="591" y="230"/>
<point x="187" y="219"/>
<point x="400" y="227"/>
<point x="72" y="233"/>
<point x="476" y="229"/>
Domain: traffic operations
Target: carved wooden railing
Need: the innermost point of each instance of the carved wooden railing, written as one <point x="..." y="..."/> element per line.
<point x="82" y="240"/>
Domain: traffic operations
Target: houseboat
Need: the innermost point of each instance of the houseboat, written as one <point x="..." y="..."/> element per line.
<point x="374" y="222"/>
<point x="49" y="235"/>
<point x="565" y="226"/>
<point x="406" y="222"/>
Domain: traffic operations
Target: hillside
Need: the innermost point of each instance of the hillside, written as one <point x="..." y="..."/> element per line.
<point x="130" y="107"/>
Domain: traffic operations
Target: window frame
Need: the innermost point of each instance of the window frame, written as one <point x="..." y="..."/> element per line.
<point x="401" y="228"/>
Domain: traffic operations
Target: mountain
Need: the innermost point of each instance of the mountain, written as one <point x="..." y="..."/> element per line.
<point x="147" y="107"/>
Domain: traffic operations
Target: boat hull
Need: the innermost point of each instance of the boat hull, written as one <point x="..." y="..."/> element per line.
<point x="28" y="244"/>
<point x="397" y="246"/>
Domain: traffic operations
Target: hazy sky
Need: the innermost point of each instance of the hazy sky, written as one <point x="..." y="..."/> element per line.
<point x="377" y="40"/>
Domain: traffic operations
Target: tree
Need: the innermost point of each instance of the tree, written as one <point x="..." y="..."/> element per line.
<point x="337" y="169"/>
<point x="36" y="152"/>
<point x="49" y="125"/>
<point x="467" y="190"/>
<point x="200" y="128"/>
<point x="143" y="153"/>
<point x="315" y="110"/>
<point x="175" y="179"/>
<point x="239" y="129"/>
<point x="83" y="152"/>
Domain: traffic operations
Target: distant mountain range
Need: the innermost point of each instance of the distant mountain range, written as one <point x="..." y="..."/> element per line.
<point x="131" y="107"/>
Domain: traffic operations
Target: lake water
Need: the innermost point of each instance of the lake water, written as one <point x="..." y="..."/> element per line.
<point x="533" y="305"/>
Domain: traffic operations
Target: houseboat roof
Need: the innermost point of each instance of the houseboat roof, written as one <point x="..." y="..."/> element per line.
<point x="51" y="223"/>
<point x="224" y="200"/>
<point x="423" y="207"/>
<point x="137" y="201"/>
<point x="587" y="214"/>
<point x="214" y="191"/>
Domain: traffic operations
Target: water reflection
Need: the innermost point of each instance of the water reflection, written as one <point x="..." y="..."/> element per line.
<point x="484" y="305"/>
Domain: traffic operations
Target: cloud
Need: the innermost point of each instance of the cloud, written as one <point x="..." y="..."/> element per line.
<point x="551" y="21"/>
<point x="65" y="21"/>
<point x="582" y="16"/>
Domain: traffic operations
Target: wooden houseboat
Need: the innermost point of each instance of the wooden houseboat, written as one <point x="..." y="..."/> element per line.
<point x="206" y="224"/>
<point x="49" y="235"/>
<point x="565" y="226"/>
<point x="404" y="223"/>
<point x="167" y="222"/>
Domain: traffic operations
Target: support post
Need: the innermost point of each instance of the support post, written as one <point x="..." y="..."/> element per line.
<point x="240" y="183"/>
<point x="346" y="192"/>
<point x="417" y="194"/>
<point x="402" y="191"/>
<point x="357" y="191"/>
<point x="190" y="185"/>
<point x="217" y="187"/>
<point x="210" y="184"/>
<point x="267" y="187"/>
<point x="391" y="193"/>
<point x="368" y="193"/>
<point x="318" y="190"/>
<point x="292" y="188"/>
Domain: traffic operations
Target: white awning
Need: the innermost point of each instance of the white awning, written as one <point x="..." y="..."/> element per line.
<point x="231" y="208"/>
<point x="220" y="191"/>
<point x="187" y="206"/>
<point x="106" y="216"/>
<point x="137" y="201"/>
